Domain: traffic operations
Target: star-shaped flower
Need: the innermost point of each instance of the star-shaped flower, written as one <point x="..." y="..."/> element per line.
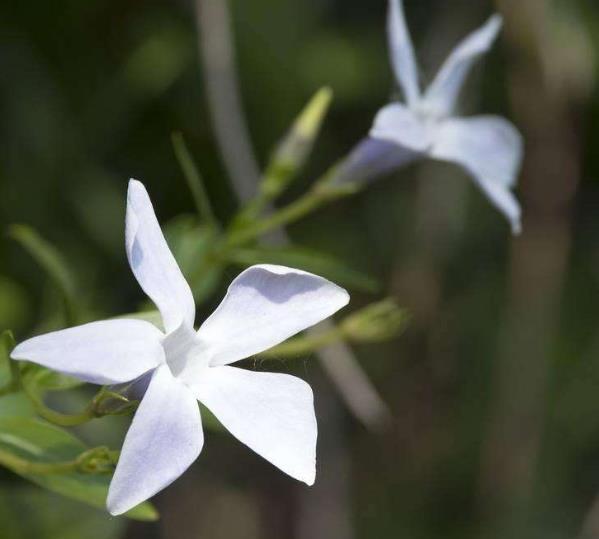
<point x="271" y="413"/>
<point x="489" y="148"/>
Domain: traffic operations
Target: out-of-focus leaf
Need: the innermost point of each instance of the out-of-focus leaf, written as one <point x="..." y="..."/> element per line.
<point x="7" y="343"/>
<point x="41" y="442"/>
<point x="193" y="248"/>
<point x="308" y="260"/>
<point x="47" y="380"/>
<point x="16" y="405"/>
<point x="14" y="304"/>
<point x="157" y="62"/>
<point x="51" y="517"/>
<point x="51" y="260"/>
<point x="194" y="180"/>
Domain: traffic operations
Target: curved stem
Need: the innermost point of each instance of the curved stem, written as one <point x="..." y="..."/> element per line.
<point x="316" y="197"/>
<point x="305" y="344"/>
<point x="95" y="460"/>
<point x="23" y="466"/>
<point x="92" y="410"/>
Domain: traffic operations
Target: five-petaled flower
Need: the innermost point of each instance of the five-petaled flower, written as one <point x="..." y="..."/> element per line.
<point x="489" y="148"/>
<point x="271" y="413"/>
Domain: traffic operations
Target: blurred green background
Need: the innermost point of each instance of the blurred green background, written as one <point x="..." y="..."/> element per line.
<point x="494" y="388"/>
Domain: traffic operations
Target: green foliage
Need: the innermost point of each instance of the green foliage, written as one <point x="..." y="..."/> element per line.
<point x="29" y="512"/>
<point x="33" y="441"/>
<point x="194" y="181"/>
<point x="53" y="263"/>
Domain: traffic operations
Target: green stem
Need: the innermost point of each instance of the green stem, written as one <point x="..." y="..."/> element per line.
<point x="63" y="420"/>
<point x="95" y="460"/>
<point x="305" y="344"/>
<point x="318" y="196"/>
<point x="92" y="411"/>
<point x="23" y="466"/>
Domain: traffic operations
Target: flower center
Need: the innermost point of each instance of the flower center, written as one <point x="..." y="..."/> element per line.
<point x="185" y="353"/>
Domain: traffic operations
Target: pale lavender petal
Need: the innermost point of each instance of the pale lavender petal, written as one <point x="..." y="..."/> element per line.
<point x="403" y="60"/>
<point x="273" y="414"/>
<point x="372" y="158"/>
<point x="106" y="352"/>
<point x="400" y="125"/>
<point x="164" y="439"/>
<point x="490" y="148"/>
<point x="265" y="305"/>
<point x="152" y="262"/>
<point x="441" y="95"/>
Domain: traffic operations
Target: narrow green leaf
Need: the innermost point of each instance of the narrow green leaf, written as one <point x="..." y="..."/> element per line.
<point x="40" y="442"/>
<point x="308" y="260"/>
<point x="52" y="262"/>
<point x="7" y="343"/>
<point x="194" y="180"/>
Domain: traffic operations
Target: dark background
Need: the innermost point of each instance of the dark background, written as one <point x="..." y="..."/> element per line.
<point x="494" y="388"/>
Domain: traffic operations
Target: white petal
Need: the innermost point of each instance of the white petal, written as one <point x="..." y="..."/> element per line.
<point x="153" y="263"/>
<point x="490" y="149"/>
<point x="265" y="305"/>
<point x="164" y="439"/>
<point x="399" y="125"/>
<point x="441" y="95"/>
<point x="106" y="352"/>
<point x="402" y="52"/>
<point x="273" y="414"/>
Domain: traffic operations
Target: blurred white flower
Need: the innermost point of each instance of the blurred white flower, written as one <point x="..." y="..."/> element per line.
<point x="273" y="414"/>
<point x="489" y="148"/>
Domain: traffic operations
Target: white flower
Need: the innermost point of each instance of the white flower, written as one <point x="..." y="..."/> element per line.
<point x="273" y="414"/>
<point x="489" y="148"/>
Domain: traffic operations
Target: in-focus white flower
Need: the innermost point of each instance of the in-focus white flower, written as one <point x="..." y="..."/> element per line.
<point x="489" y="148"/>
<point x="271" y="413"/>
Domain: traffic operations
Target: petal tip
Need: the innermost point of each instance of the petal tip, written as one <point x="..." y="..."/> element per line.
<point x="309" y="478"/>
<point x="114" y="508"/>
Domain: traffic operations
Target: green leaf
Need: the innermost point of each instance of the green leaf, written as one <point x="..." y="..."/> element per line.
<point x="16" y="405"/>
<point x="51" y="517"/>
<point x="308" y="260"/>
<point x="194" y="180"/>
<point x="7" y="343"/>
<point x="52" y="262"/>
<point x="40" y="442"/>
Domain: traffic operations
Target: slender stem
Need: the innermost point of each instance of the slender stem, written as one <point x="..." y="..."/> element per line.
<point x="63" y="420"/>
<point x="306" y="344"/>
<point x="95" y="460"/>
<point x="316" y="197"/>
<point x="23" y="466"/>
<point x="92" y="411"/>
<point x="194" y="179"/>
